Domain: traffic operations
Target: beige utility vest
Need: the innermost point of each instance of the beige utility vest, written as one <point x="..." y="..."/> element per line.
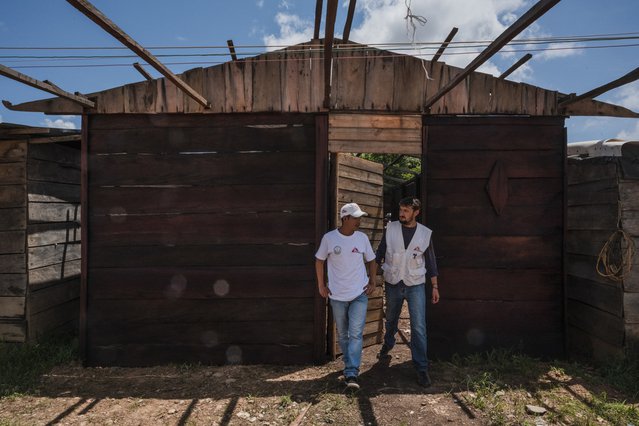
<point x="405" y="264"/>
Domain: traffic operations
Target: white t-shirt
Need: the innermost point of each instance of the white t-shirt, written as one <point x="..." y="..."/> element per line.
<point x="346" y="255"/>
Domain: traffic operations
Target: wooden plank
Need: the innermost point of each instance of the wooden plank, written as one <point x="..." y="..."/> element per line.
<point x="13" y="284"/>
<point x="52" y="172"/>
<point x="201" y="199"/>
<point x="12" y="173"/>
<point x="12" y="306"/>
<point x="583" y="345"/>
<point x="13" y="219"/>
<point x="595" y="322"/>
<point x="145" y="355"/>
<point x="498" y="251"/>
<point x="13" y="331"/>
<point x="206" y="333"/>
<point x="208" y="228"/>
<point x="586" y="242"/>
<point x="352" y="162"/>
<point x="472" y="192"/>
<point x="608" y="298"/>
<point x="321" y="334"/>
<point x="593" y="217"/>
<point x="380" y="147"/>
<point x="12" y="242"/>
<point x="627" y="78"/>
<point x="586" y="171"/>
<point x="478" y="164"/>
<point x="632" y="335"/>
<point x="375" y="121"/>
<point x="345" y="196"/>
<point x="12" y="196"/>
<point x="203" y="139"/>
<point x="215" y="282"/>
<point x="481" y="93"/>
<point x="53" y="254"/>
<point x="12" y="263"/>
<point x="13" y="151"/>
<point x="604" y="191"/>
<point x="53" y="233"/>
<point x="238" y="86"/>
<point x="195" y="79"/>
<point x="49" y="275"/>
<point x="348" y="89"/>
<point x="631" y="308"/>
<point x="359" y="186"/>
<point x="362" y="175"/>
<point x="380" y="71"/>
<point x="513" y="220"/>
<point x="56" y="153"/>
<point x="44" y="322"/>
<point x="198" y="311"/>
<point x="203" y="255"/>
<point x="53" y="296"/>
<point x="267" y="97"/>
<point x="111" y="101"/>
<point x="495" y="284"/>
<point x="585" y="267"/>
<point x="629" y="195"/>
<point x="630" y="222"/>
<point x="409" y="84"/>
<point x="54" y="212"/>
<point x="379" y="135"/>
<point x="206" y="169"/>
<point x="47" y="87"/>
<point x="51" y="192"/>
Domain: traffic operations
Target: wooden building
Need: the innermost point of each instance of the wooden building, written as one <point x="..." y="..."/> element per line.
<point x="201" y="221"/>
<point x="39" y="231"/>
<point x="603" y="231"/>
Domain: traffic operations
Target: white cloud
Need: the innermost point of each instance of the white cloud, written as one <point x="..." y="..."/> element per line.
<point x="181" y="38"/>
<point x="285" y="4"/>
<point x="630" y="134"/>
<point x="59" y="123"/>
<point x="627" y="96"/>
<point x="293" y="30"/>
<point x="260" y="3"/>
<point x="1" y="119"/>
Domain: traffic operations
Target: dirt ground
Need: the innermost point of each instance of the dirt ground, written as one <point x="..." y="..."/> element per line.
<point x="238" y="395"/>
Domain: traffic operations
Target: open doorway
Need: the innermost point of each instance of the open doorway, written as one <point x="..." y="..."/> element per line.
<point x="376" y="182"/>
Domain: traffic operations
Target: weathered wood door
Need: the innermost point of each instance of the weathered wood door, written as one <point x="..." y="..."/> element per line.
<point x="494" y="194"/>
<point x="360" y="181"/>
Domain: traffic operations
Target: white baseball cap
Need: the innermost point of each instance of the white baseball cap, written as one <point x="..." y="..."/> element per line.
<point x="351" y="209"/>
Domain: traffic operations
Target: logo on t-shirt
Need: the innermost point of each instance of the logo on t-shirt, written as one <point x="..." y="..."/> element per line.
<point x="337" y="250"/>
<point x="355" y="250"/>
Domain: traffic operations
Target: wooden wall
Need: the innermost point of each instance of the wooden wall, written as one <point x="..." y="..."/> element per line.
<point x="39" y="239"/>
<point x="53" y="240"/>
<point x="501" y="275"/>
<point x="201" y="235"/>
<point x="603" y="314"/>
<point x="292" y="80"/>
<point x="13" y="227"/>
<point x="361" y="181"/>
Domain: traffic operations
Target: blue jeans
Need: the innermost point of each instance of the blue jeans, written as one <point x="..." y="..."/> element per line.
<point x="416" y="298"/>
<point x="350" y="318"/>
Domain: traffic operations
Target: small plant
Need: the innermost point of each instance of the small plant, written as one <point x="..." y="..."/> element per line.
<point x="285" y="401"/>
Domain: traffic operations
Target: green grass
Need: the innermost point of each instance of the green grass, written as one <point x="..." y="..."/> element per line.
<point x="22" y="365"/>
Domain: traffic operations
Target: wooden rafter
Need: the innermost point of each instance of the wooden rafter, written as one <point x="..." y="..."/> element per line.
<point x="142" y="71"/>
<point x="331" y="13"/>
<point x="511" y="32"/>
<point x="105" y="23"/>
<point x="628" y="78"/>
<point x="349" y="21"/>
<point x="516" y="65"/>
<point x="46" y="86"/>
<point x="318" y="18"/>
<point x="444" y="45"/>
<point x="231" y="46"/>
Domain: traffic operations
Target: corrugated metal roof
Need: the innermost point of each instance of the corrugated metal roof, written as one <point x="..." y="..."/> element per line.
<point x="602" y="148"/>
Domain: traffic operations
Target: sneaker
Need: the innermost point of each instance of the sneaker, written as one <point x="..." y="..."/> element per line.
<point x="423" y="379"/>
<point x="383" y="352"/>
<point x="351" y="383"/>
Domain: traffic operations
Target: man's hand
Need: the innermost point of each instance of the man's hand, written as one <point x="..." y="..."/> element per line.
<point x="435" y="298"/>
<point x="324" y="291"/>
<point x="370" y="287"/>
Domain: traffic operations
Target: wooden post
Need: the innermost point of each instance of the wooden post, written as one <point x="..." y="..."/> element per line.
<point x="511" y="32"/>
<point x="105" y="23"/>
<point x="349" y="21"/>
<point x="318" y="18"/>
<point x="321" y="177"/>
<point x="628" y="78"/>
<point x="331" y="12"/>
<point x="46" y="86"/>
<point x="231" y="49"/>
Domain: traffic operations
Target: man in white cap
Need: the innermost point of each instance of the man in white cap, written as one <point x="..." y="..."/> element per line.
<point x="348" y="252"/>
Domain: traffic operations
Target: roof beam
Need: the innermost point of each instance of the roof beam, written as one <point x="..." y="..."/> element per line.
<point x="142" y="71"/>
<point x="318" y="18"/>
<point x="46" y="86"/>
<point x="592" y="108"/>
<point x="444" y="45"/>
<point x="511" y="32"/>
<point x="349" y="21"/>
<point x="105" y="23"/>
<point x="331" y="13"/>
<point x="516" y="65"/>
<point x="628" y="78"/>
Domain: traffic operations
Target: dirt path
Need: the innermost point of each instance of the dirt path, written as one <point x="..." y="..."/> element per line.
<point x="259" y="395"/>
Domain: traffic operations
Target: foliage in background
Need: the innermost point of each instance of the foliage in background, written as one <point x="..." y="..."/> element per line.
<point x="404" y="168"/>
<point x="22" y="365"/>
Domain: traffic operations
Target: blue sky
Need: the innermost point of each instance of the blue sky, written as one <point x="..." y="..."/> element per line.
<point x="571" y="67"/>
